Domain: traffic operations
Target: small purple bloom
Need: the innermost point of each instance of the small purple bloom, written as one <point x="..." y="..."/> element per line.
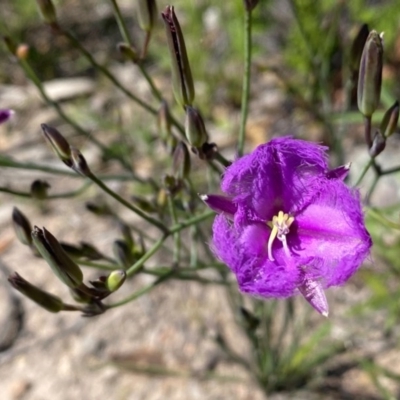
<point x="5" y="114"/>
<point x="287" y="224"/>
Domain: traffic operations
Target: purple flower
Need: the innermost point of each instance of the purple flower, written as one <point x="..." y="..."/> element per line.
<point x="5" y="114"/>
<point x="288" y="224"/>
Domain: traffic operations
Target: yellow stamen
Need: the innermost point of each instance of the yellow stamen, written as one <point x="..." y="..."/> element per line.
<point x="279" y="225"/>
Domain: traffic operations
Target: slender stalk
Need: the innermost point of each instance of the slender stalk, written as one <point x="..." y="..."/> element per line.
<point x="246" y="80"/>
<point x="364" y="171"/>
<point x="76" y="43"/>
<point x="128" y="205"/>
<point x="177" y="235"/>
<point x="64" y="195"/>
<point x="36" y="81"/>
<point x="191" y="221"/>
<point x="139" y="263"/>
<point x="9" y="163"/>
<point x="367" y="131"/>
<point x="121" y="23"/>
<point x="125" y="34"/>
<point x="138" y="293"/>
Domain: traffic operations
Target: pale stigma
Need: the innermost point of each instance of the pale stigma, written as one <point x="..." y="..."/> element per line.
<point x="280" y="225"/>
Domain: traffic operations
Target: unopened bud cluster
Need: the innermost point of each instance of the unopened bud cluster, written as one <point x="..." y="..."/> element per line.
<point x="369" y="88"/>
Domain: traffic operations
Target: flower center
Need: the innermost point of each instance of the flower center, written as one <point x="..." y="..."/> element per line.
<point x="280" y="225"/>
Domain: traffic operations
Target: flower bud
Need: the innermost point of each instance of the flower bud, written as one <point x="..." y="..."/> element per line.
<point x="207" y="151"/>
<point x="58" y="143"/>
<point x="195" y="129"/>
<point x="5" y="114"/>
<point x="220" y="204"/>
<point x="79" y="296"/>
<point x="181" y="161"/>
<point x="44" y="299"/>
<point x="22" y="51"/>
<point x="47" y="10"/>
<point x="250" y="320"/>
<point x="100" y="209"/>
<point x="390" y="120"/>
<point x="123" y="253"/>
<point x="79" y="163"/>
<point x="250" y="4"/>
<point x="182" y="80"/>
<point x="39" y="189"/>
<point x="10" y="44"/>
<point x="378" y="144"/>
<point x="115" y="280"/>
<point x="126" y="233"/>
<point x="22" y="227"/>
<point x="128" y="52"/>
<point x="62" y="265"/>
<point x="357" y="47"/>
<point x="90" y="252"/>
<point x="171" y="185"/>
<point x="147" y="14"/>
<point x="370" y="75"/>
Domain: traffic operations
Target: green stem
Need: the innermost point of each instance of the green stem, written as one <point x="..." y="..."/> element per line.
<point x="75" y="42"/>
<point x="246" y="81"/>
<point x="367" y="131"/>
<point x="128" y="205"/>
<point x="36" y="81"/>
<point x="121" y="23"/>
<point x="177" y="236"/>
<point x="64" y="195"/>
<point x="138" y="293"/>
<point x="191" y="221"/>
<point x="139" y="263"/>
<point x="364" y="171"/>
<point x="125" y="34"/>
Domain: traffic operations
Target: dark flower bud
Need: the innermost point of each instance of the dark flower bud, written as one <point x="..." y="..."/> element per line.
<point x="10" y="44"/>
<point x="123" y="253"/>
<point x="126" y="233"/>
<point x="115" y="280"/>
<point x="79" y="163"/>
<point x="128" y="52"/>
<point x="250" y="320"/>
<point x="378" y="144"/>
<point x="99" y="209"/>
<point x="206" y="152"/>
<point x="5" y="114"/>
<point x="195" y="129"/>
<point x="90" y="252"/>
<point x="181" y="161"/>
<point x="62" y="265"/>
<point x="22" y="227"/>
<point x="182" y="80"/>
<point x="147" y="14"/>
<point x="370" y="76"/>
<point x="58" y="143"/>
<point x="72" y="250"/>
<point x="250" y="4"/>
<point x="144" y="204"/>
<point x="79" y="296"/>
<point x="357" y="47"/>
<point x="47" y="10"/>
<point x="44" y="299"/>
<point x="39" y="189"/>
<point x="390" y="120"/>
<point x="219" y="204"/>
<point x="171" y="184"/>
